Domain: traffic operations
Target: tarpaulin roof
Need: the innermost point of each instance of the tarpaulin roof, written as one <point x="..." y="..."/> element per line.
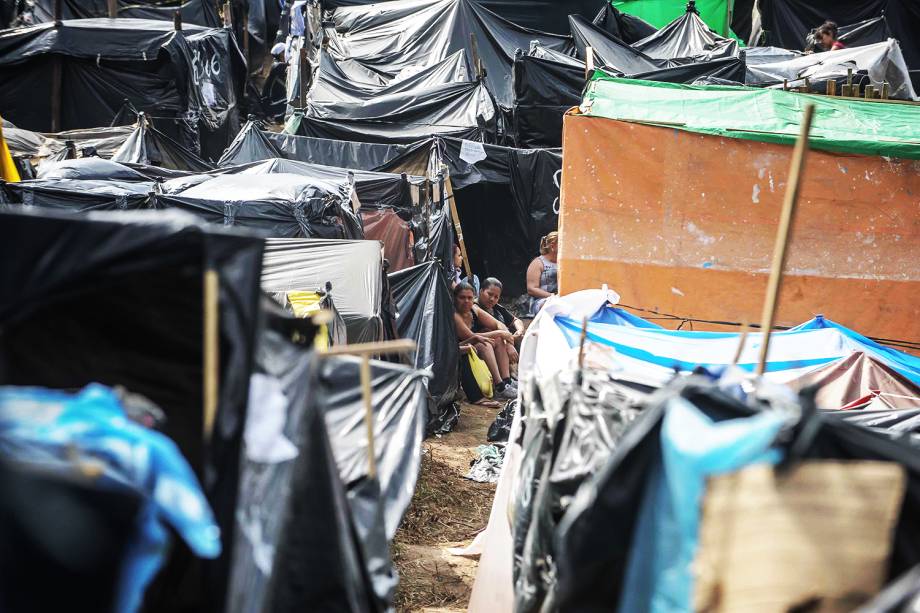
<point x="116" y="298"/>
<point x="715" y="13"/>
<point x="76" y="195"/>
<point x="199" y="12"/>
<point x="687" y="36"/>
<point x="105" y="141"/>
<point x="644" y="347"/>
<point x="882" y="63"/>
<point x="785" y="23"/>
<point x="459" y="109"/>
<point x="840" y="124"/>
<point x="425" y="311"/>
<point x="390" y="37"/>
<point x="280" y="206"/>
<point x="147" y="145"/>
<point x="355" y="269"/>
<point x="198" y="71"/>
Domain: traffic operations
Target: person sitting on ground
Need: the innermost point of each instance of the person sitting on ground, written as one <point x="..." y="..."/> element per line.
<point x="489" y="295"/>
<point x="827" y="36"/>
<point x="541" y="274"/>
<point x="478" y="329"/>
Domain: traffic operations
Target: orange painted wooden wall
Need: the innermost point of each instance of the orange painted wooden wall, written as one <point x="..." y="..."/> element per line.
<point x="684" y="223"/>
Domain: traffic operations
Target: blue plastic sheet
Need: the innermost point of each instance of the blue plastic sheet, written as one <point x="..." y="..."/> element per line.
<point x="55" y="429"/>
<point x="693" y="447"/>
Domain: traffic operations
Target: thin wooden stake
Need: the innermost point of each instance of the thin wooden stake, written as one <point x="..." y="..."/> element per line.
<point x="455" y="216"/>
<point x="742" y="341"/>
<point x="303" y="76"/>
<point x="782" y="236"/>
<point x="112" y="6"/>
<point x="477" y="60"/>
<point x="581" y="343"/>
<point x="368" y="415"/>
<point x="211" y="349"/>
<point x="831" y="87"/>
<point x="885" y="90"/>
<point x="177" y="21"/>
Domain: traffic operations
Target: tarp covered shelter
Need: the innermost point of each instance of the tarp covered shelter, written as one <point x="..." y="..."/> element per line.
<point x="726" y="151"/>
<point x="117" y="298"/>
<point x="355" y="269"/>
<point x="38" y="146"/>
<point x="197" y="12"/>
<point x="406" y="35"/>
<point x="717" y="14"/>
<point x="193" y="77"/>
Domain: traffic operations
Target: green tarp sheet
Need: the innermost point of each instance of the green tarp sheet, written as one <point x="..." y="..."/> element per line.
<point x="660" y="13"/>
<point x="848" y="125"/>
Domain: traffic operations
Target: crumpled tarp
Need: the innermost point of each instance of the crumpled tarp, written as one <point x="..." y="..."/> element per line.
<point x="628" y="28"/>
<point x="714" y="13"/>
<point x="501" y="426"/>
<point x="192" y="11"/>
<point x="488" y="466"/>
<point x="425" y="314"/>
<point x="147" y="145"/>
<point x="76" y="195"/>
<point x="687" y="37"/>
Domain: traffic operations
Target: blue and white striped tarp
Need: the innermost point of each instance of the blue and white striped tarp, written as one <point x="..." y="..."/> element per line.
<point x="642" y="345"/>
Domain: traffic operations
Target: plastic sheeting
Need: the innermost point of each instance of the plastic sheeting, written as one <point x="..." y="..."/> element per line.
<point x="685" y="37"/>
<point x="386" y="226"/>
<point x="399" y="400"/>
<point x="147" y="145"/>
<point x="881" y="62"/>
<point x="391" y="37"/>
<point x="842" y="124"/>
<point x="195" y="75"/>
<point x="295" y="540"/>
<point x="860" y="380"/>
<point x="601" y="529"/>
<point x="116" y="298"/>
<point x="623" y="26"/>
<point x="461" y="109"/>
<point x="193" y="11"/>
<point x="715" y="13"/>
<point x="355" y="269"/>
<point x="105" y="141"/>
<point x="425" y="314"/>
<point x="76" y="195"/>
<point x="283" y="206"/>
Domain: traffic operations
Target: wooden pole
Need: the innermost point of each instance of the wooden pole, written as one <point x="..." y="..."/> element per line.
<point x="455" y="216"/>
<point x="177" y="21"/>
<point x="57" y="75"/>
<point x="303" y="75"/>
<point x="211" y="349"/>
<point x="365" y="351"/>
<point x="228" y="16"/>
<point x="589" y="62"/>
<point x="581" y="343"/>
<point x="477" y="61"/>
<point x="780" y="249"/>
<point x="112" y="6"/>
<point x="742" y="341"/>
<point x="246" y="32"/>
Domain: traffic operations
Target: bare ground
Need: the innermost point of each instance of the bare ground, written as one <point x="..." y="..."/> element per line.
<point x="447" y="511"/>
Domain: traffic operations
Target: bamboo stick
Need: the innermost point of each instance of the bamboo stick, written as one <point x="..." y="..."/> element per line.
<point x="211" y="349"/>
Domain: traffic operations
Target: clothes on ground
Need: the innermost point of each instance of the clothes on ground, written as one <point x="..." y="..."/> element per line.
<point x="488" y="466"/>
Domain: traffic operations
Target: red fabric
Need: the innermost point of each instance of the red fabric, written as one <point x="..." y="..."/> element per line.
<point x="386" y="226"/>
<point x="838" y="45"/>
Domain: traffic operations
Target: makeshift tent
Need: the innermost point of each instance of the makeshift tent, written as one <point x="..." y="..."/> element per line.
<point x="92" y="66"/>
<point x="735" y="146"/>
<point x="717" y="14"/>
<point x="425" y="314"/>
<point x="354" y="268"/>
<point x="284" y="206"/>
<point x="406" y="35"/>
<point x="398" y="398"/>
<point x="38" y="146"/>
<point x="76" y="195"/>
<point x="627" y="28"/>
<point x="786" y="23"/>
<point x="149" y="146"/>
<point x="118" y="298"/>
<point x="295" y="544"/>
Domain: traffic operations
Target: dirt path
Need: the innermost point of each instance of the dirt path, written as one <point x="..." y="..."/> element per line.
<point x="447" y="511"/>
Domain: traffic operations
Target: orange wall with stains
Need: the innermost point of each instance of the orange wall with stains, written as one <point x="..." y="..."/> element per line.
<point x="684" y="223"/>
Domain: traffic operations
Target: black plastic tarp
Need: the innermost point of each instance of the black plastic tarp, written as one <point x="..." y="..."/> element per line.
<point x="295" y="543"/>
<point x="198" y="12"/>
<point x="104" y="141"/>
<point x="462" y="109"/>
<point x="195" y="75"/>
<point x="354" y="268"/>
<point x="594" y="539"/>
<point x="399" y="401"/>
<point x="627" y="28"/>
<point x="688" y="36"/>
<point x="786" y="23"/>
<point x="390" y="37"/>
<point x="608" y="50"/>
<point x="116" y="298"/>
<point x="147" y="145"/>
<point x="279" y="206"/>
<point x="76" y="195"/>
<point x="425" y="314"/>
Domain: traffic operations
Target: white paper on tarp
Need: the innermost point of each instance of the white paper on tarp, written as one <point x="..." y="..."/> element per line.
<point x="267" y="414"/>
<point x="472" y="152"/>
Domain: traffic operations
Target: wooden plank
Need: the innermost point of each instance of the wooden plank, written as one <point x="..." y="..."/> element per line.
<point x="455" y="216"/>
<point x="211" y="349"/>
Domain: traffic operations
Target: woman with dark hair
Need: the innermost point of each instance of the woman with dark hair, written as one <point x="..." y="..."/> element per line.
<point x="479" y="330"/>
<point x="827" y="36"/>
<point x="489" y="296"/>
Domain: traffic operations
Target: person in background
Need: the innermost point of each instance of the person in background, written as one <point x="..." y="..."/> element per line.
<point x="458" y="267"/>
<point x="541" y="274"/>
<point x="827" y="36"/>
<point x="489" y="295"/>
<point x="479" y="330"/>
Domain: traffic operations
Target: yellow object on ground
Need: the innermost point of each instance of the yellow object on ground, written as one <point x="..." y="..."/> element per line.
<point x="8" y="171"/>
